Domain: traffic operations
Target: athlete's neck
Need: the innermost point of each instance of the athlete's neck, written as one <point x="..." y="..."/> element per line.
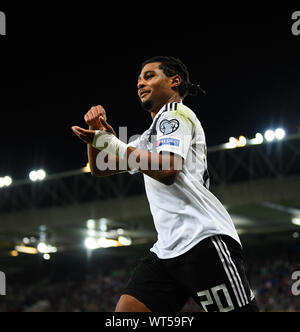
<point x="172" y="99"/>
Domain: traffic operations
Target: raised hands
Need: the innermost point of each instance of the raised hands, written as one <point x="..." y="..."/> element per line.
<point x="93" y="115"/>
<point x="96" y="119"/>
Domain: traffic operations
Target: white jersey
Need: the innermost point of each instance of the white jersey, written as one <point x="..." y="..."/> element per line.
<point x="185" y="212"/>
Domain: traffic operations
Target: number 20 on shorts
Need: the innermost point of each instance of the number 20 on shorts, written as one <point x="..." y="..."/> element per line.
<point x="215" y="298"/>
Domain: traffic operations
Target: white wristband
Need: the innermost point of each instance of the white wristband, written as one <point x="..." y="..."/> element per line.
<point x="108" y="142"/>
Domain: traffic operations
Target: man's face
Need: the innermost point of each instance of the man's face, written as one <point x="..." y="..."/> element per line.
<point x="154" y="87"/>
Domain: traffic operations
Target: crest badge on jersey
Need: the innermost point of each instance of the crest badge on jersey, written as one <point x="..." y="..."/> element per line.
<point x="169" y="126"/>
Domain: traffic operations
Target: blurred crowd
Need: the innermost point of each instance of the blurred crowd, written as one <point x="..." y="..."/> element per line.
<point x="99" y="291"/>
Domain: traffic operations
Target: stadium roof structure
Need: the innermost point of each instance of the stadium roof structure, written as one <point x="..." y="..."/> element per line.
<point x="258" y="184"/>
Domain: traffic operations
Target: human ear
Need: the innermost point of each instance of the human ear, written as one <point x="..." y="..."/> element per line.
<point x="175" y="81"/>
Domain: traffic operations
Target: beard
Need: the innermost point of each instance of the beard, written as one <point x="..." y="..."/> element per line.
<point x="147" y="105"/>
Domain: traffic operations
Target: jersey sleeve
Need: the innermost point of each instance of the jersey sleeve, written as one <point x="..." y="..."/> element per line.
<point x="174" y="132"/>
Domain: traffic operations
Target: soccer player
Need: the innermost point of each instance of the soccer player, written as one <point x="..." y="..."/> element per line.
<point x="198" y="252"/>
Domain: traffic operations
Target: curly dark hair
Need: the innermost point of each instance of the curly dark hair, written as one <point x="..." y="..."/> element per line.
<point x="172" y="66"/>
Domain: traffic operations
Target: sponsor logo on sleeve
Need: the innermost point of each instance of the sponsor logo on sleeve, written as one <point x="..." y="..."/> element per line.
<point x="168" y="141"/>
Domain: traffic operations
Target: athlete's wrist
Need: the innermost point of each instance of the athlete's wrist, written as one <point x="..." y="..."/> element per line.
<point x="108" y="142"/>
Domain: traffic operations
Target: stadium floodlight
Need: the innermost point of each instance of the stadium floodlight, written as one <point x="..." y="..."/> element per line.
<point x="14" y="253"/>
<point x="39" y="175"/>
<point x="5" y="182"/>
<point x="280" y="134"/>
<point x="120" y="231"/>
<point x="91" y="224"/>
<point x="232" y="144"/>
<point x="125" y="241"/>
<point x="44" y="248"/>
<point x="26" y="250"/>
<point x="33" y="176"/>
<point x="103" y="224"/>
<point x="26" y="240"/>
<point x="270" y="135"/>
<point x="91" y="243"/>
<point x="242" y="142"/>
<point x="107" y="243"/>
<point x="296" y="221"/>
<point x="259" y="139"/>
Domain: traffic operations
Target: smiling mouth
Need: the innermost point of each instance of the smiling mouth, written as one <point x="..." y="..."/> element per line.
<point x="144" y="94"/>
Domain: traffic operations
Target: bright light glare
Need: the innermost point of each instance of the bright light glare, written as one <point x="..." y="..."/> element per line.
<point x="33" y="176"/>
<point x="96" y="243"/>
<point x="232" y="144"/>
<point x="296" y="221"/>
<point x="46" y="257"/>
<point x="259" y="139"/>
<point x="90" y="243"/>
<point x="91" y="224"/>
<point x="5" y="182"/>
<point x="14" y="253"/>
<point x="26" y="250"/>
<point x="280" y="134"/>
<point x="91" y="233"/>
<point x="26" y="240"/>
<point x="120" y="231"/>
<point x="103" y="224"/>
<point x="270" y="135"/>
<point x="39" y="175"/>
<point x="242" y="141"/>
<point x="124" y="241"/>
<point x="44" y="248"/>
<point x="107" y="243"/>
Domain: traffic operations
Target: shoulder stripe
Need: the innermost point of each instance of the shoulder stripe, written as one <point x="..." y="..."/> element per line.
<point x="153" y="130"/>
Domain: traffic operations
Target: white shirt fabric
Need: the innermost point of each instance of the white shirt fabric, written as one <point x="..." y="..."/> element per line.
<point x="186" y="212"/>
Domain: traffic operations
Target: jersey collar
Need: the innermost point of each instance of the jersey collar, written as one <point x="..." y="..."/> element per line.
<point x="165" y="108"/>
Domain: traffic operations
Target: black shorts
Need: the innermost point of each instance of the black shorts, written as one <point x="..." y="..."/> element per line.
<point x="212" y="273"/>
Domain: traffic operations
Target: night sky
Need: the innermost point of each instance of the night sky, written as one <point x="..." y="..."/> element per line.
<point x="56" y="63"/>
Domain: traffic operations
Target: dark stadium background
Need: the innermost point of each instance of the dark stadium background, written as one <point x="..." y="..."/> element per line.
<point x="55" y="63"/>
